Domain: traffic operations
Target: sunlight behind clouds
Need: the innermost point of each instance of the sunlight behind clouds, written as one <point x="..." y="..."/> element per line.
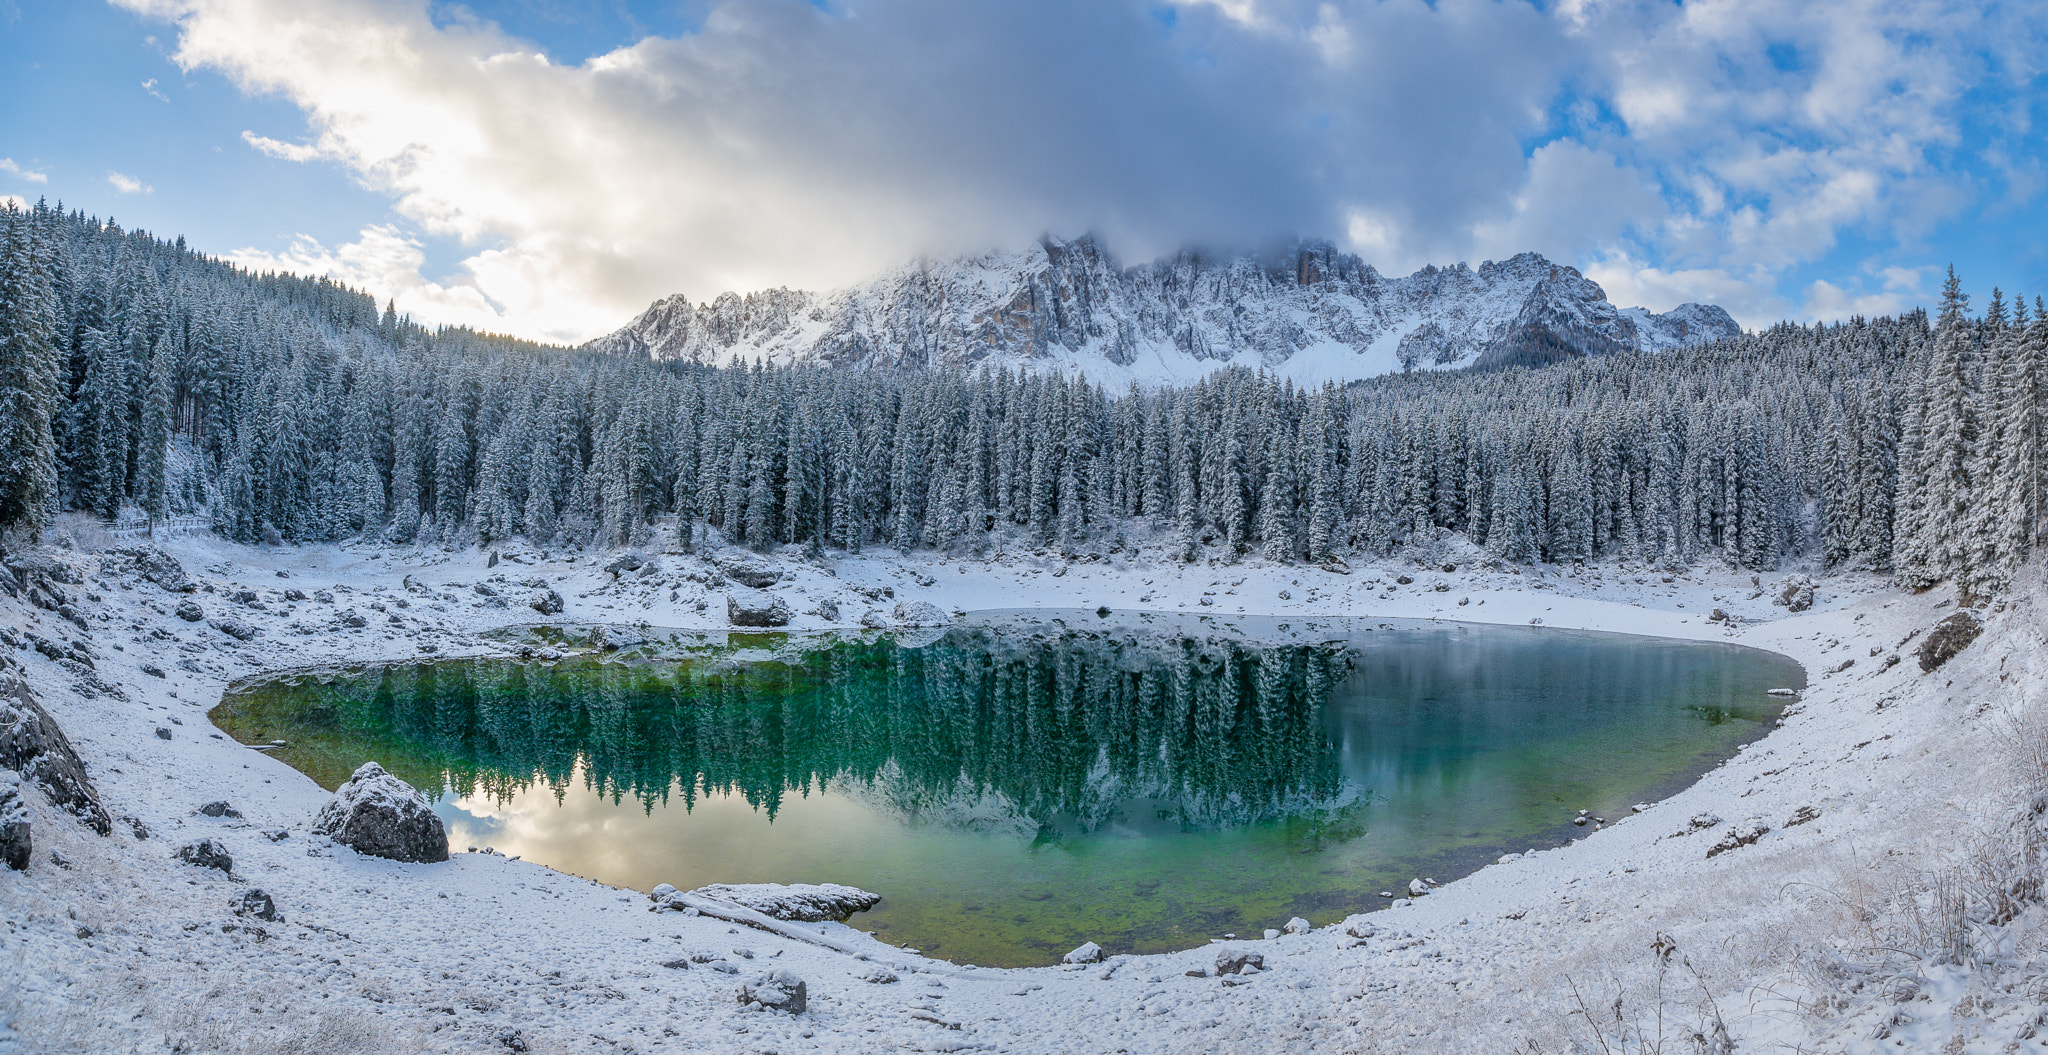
<point x="1719" y="145"/>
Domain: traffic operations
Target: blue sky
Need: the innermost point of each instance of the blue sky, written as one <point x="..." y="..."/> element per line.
<point x="547" y="167"/>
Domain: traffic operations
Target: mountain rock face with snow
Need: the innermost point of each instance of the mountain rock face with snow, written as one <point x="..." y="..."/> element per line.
<point x="1310" y="313"/>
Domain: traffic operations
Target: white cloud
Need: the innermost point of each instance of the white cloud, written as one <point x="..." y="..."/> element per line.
<point x="1899" y="289"/>
<point x="1718" y="144"/>
<point x="150" y="87"/>
<point x="8" y="166"/>
<point x="128" y="184"/>
<point x="387" y="263"/>
<point x="280" y="149"/>
<point x="13" y="200"/>
<point x="1751" y="297"/>
<point x="1575" y="200"/>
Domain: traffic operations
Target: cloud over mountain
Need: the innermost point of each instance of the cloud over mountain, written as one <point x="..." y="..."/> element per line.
<point x="1704" y="151"/>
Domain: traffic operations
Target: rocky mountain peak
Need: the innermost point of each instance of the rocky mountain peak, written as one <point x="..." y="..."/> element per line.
<point x="1307" y="311"/>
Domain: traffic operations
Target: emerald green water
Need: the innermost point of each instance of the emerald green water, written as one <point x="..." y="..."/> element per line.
<point x="1022" y="784"/>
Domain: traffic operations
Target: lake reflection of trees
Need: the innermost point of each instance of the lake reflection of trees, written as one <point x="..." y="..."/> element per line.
<point x="1056" y="724"/>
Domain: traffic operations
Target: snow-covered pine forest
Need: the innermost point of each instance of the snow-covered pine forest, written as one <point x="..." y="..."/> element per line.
<point x="138" y="377"/>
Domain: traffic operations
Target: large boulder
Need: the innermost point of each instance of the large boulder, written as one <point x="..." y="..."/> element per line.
<point x="1949" y="637"/>
<point x="920" y="613"/>
<point x="32" y="745"/>
<point x="798" y="902"/>
<point x="756" y="608"/>
<point x="755" y="573"/>
<point x="380" y="815"/>
<point x="16" y="842"/>
<point x="1795" y="594"/>
<point x="779" y="990"/>
<point x="1086" y="952"/>
<point x="546" y="602"/>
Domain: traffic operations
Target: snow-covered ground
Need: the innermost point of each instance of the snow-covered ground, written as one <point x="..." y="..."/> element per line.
<point x="124" y="949"/>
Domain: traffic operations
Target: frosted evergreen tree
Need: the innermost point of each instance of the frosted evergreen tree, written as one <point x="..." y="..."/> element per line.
<point x="28" y="378"/>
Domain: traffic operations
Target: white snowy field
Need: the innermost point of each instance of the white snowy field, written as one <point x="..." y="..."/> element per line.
<point x="1799" y="941"/>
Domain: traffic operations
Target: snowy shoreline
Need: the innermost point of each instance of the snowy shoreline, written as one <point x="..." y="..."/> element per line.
<point x="459" y="956"/>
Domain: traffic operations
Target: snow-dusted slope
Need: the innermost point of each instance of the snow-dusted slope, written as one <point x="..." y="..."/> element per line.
<point x="1310" y="313"/>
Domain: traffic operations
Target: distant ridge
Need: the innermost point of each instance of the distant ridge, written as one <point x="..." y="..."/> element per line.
<point x="1309" y="313"/>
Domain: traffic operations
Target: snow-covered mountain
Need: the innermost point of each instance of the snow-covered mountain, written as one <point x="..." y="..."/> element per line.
<point x="1310" y="313"/>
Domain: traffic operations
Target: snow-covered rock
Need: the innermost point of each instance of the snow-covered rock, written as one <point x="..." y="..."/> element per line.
<point x="1739" y="835"/>
<point x="1088" y="952"/>
<point x="156" y="566"/>
<point x="190" y="611"/>
<point x="757" y="573"/>
<point x="546" y="602"/>
<point x="254" y="904"/>
<point x="32" y="745"/>
<point x="378" y="814"/>
<point x="796" y="902"/>
<point x="1795" y="594"/>
<point x="744" y="607"/>
<point x="1308" y="313"/>
<point x="778" y="990"/>
<point x="1949" y="637"/>
<point x="1297" y="925"/>
<point x="206" y="853"/>
<point x="1236" y="961"/>
<point x="233" y="627"/>
<point x="624" y="563"/>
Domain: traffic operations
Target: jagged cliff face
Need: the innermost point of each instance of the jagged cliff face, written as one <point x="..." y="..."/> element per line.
<point x="1312" y="314"/>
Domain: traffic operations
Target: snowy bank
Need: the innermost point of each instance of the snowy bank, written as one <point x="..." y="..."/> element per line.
<point x="1876" y="774"/>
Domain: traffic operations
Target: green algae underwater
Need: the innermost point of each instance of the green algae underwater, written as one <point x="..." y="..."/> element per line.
<point x="1023" y="782"/>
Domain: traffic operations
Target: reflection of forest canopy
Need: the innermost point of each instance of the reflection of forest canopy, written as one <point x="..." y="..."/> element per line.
<point x="1058" y="723"/>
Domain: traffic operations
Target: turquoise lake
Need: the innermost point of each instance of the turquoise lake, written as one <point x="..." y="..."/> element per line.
<point x="1023" y="782"/>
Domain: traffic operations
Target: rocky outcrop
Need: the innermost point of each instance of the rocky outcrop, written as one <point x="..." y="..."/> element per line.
<point x="756" y="608"/>
<point x="378" y="814"/>
<point x="156" y="566"/>
<point x="796" y="902"/>
<point x="546" y="602"/>
<point x="1067" y="304"/>
<point x="32" y="745"/>
<point x="1948" y="638"/>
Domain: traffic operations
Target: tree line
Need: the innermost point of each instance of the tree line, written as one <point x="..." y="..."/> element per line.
<point x="140" y="377"/>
